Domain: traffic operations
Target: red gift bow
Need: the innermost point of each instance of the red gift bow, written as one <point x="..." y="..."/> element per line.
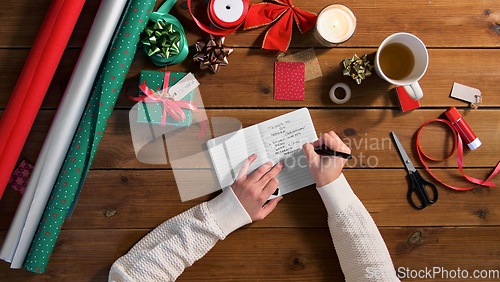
<point x="281" y="13"/>
<point x="173" y="108"/>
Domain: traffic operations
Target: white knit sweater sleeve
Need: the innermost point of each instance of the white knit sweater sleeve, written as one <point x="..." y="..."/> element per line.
<point x="360" y="248"/>
<point x="165" y="252"/>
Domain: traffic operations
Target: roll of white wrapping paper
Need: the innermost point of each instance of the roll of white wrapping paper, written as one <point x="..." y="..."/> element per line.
<point x="58" y="140"/>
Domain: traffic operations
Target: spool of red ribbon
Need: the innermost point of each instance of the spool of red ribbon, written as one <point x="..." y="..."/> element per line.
<point x="225" y="15"/>
<point x="458" y="146"/>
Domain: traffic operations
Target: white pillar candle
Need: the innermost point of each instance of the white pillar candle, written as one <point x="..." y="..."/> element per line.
<point x="335" y="24"/>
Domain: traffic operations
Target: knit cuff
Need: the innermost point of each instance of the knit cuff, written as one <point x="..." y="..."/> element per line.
<point x="228" y="211"/>
<point x="337" y="195"/>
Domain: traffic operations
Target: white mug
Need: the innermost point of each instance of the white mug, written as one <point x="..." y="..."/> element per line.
<point x="421" y="61"/>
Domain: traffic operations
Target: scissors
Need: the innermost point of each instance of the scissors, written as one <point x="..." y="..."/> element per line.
<point x="417" y="182"/>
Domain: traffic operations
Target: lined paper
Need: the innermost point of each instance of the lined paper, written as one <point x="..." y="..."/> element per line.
<point x="277" y="139"/>
<point x="243" y="144"/>
<point x="283" y="137"/>
<point x="228" y="152"/>
<point x="221" y="164"/>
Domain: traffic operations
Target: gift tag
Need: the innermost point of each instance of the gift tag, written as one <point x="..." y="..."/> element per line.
<point x="187" y="84"/>
<point x="288" y="81"/>
<point x="308" y="57"/>
<point x="466" y="93"/>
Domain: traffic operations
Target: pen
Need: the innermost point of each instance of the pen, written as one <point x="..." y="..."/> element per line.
<point x="328" y="152"/>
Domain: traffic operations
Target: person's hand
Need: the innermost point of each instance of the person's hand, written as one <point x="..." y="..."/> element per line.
<point x="325" y="169"/>
<point x="254" y="190"/>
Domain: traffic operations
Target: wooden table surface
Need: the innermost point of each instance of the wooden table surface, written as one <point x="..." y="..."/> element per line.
<point x="123" y="199"/>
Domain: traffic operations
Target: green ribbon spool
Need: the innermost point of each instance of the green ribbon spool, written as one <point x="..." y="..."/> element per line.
<point x="165" y="41"/>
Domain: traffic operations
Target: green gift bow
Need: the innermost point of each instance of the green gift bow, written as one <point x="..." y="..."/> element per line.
<point x="165" y="41"/>
<point x="89" y="133"/>
<point x="162" y="39"/>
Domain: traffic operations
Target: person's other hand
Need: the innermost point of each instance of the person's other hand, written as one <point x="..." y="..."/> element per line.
<point x="253" y="190"/>
<point x="325" y="169"/>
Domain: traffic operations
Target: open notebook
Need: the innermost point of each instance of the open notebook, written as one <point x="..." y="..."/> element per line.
<point x="277" y="139"/>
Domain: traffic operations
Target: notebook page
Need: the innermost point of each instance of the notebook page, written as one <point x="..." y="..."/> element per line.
<point x="221" y="164"/>
<point x="245" y="143"/>
<point x="228" y="152"/>
<point x="283" y="138"/>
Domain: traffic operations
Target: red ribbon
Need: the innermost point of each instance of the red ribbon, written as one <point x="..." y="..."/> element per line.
<point x="458" y="144"/>
<point x="173" y="108"/>
<point x="281" y="13"/>
<point x="223" y="28"/>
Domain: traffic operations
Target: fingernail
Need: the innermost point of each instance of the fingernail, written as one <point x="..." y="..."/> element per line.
<point x="281" y="164"/>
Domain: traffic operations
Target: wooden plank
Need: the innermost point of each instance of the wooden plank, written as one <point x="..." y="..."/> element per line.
<point x="255" y="87"/>
<point x="144" y="199"/>
<point x="365" y="131"/>
<point x="444" y="24"/>
<point x="267" y="254"/>
<point x="23" y="19"/>
<point x="123" y="199"/>
<point x="229" y="88"/>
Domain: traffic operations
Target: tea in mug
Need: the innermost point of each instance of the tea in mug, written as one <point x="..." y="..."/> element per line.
<point x="396" y="61"/>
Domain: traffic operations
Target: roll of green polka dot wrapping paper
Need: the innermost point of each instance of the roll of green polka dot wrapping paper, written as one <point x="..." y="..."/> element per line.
<point x="89" y="133"/>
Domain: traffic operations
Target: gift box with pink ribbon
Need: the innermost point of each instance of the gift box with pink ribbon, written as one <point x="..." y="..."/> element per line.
<point x="159" y="107"/>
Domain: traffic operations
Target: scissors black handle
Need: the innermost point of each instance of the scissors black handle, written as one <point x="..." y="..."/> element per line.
<point x="418" y="185"/>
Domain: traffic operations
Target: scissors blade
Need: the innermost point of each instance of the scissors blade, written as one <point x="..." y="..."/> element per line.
<point x="402" y="153"/>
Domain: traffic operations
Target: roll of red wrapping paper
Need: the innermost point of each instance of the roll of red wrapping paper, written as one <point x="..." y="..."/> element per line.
<point x="35" y="79"/>
<point x="91" y="128"/>
<point x="223" y="27"/>
<point x="23" y="83"/>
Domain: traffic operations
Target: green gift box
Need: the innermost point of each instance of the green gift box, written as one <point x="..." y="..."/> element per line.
<point x="152" y="112"/>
